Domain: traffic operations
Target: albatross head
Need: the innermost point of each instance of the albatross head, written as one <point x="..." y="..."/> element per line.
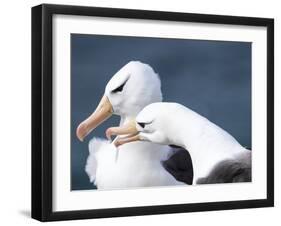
<point x="132" y="88"/>
<point x="155" y="123"/>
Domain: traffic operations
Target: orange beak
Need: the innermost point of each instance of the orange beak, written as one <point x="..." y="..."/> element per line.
<point x="128" y="129"/>
<point x="103" y="111"/>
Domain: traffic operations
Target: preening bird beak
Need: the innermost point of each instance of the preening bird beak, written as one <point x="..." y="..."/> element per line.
<point x="103" y="111"/>
<point x="128" y="129"/>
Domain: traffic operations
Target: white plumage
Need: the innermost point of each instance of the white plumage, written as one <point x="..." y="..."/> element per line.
<point x="172" y="123"/>
<point x="139" y="164"/>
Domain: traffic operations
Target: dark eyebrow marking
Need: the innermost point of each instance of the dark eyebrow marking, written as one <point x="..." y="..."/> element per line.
<point x="143" y="124"/>
<point x="120" y="88"/>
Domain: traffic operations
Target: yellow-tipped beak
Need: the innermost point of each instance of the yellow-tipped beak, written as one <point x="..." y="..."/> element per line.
<point x="103" y="111"/>
<point x="128" y="129"/>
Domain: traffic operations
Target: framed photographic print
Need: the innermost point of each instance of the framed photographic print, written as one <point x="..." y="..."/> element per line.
<point x="146" y="112"/>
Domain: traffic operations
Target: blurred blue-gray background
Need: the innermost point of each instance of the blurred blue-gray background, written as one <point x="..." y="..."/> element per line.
<point x="211" y="77"/>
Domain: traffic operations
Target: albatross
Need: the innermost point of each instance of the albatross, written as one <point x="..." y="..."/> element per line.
<point x="138" y="164"/>
<point x="216" y="155"/>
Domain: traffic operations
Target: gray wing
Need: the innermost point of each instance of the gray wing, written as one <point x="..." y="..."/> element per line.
<point x="230" y="171"/>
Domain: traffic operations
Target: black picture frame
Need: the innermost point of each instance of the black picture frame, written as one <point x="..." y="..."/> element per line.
<point x="42" y="108"/>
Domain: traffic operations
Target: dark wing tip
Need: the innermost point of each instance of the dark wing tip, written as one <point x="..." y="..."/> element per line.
<point x="179" y="164"/>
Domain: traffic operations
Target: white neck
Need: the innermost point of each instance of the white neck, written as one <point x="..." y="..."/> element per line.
<point x="207" y="143"/>
<point x="125" y="119"/>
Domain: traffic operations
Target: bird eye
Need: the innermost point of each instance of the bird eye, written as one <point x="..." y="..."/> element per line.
<point x="119" y="88"/>
<point x="141" y="124"/>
